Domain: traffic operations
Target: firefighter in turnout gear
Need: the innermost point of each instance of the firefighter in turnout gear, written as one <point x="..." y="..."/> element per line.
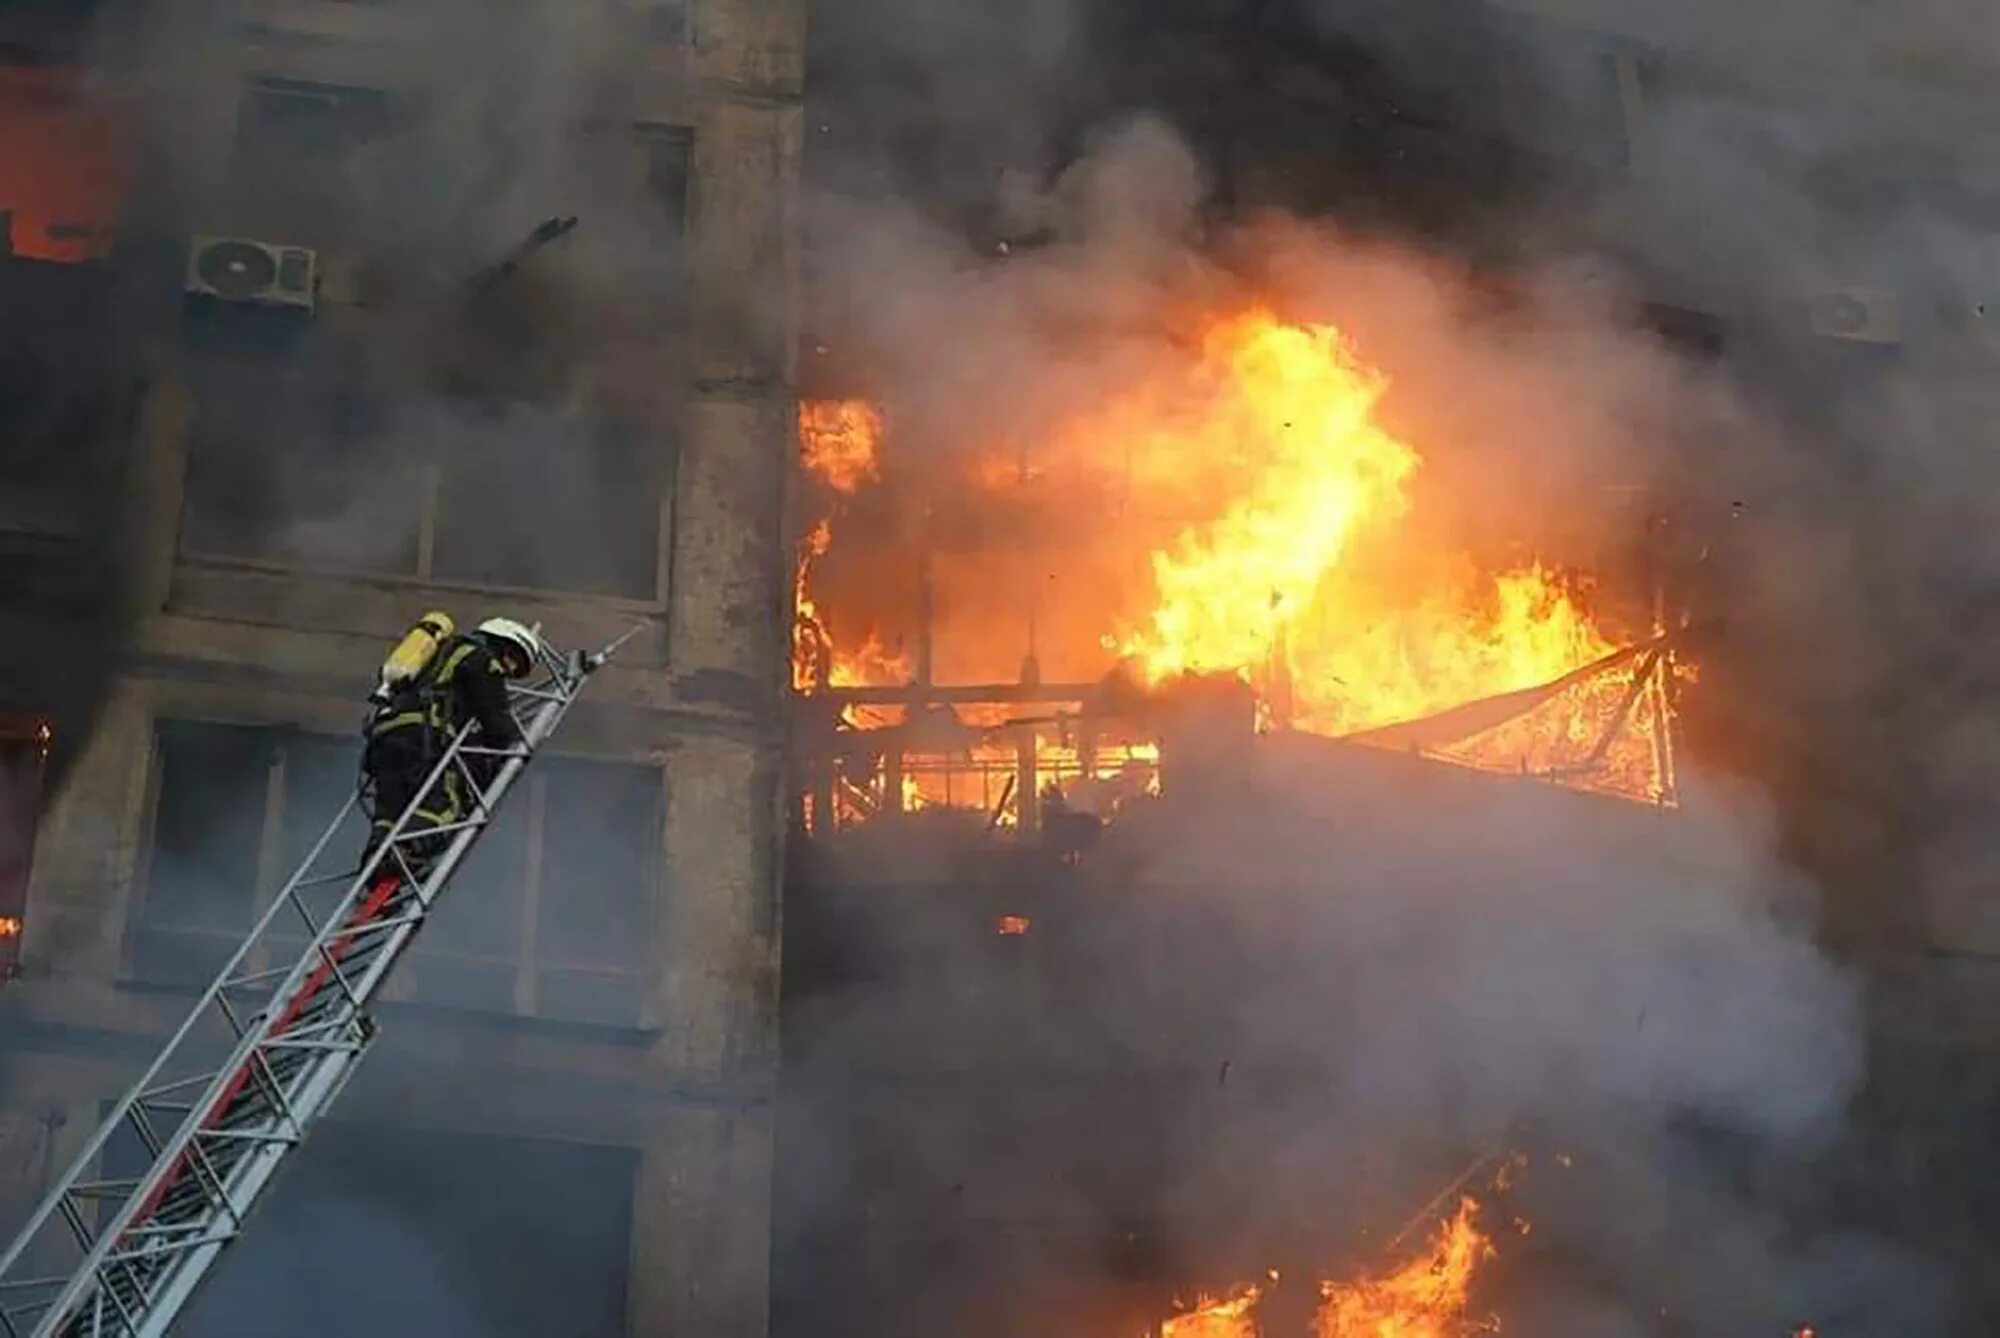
<point x="434" y="683"/>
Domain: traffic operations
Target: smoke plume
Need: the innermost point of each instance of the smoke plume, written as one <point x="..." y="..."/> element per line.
<point x="1677" y="1018"/>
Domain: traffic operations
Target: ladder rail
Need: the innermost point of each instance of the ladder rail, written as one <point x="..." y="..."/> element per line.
<point x="108" y="1129"/>
<point x="134" y="1274"/>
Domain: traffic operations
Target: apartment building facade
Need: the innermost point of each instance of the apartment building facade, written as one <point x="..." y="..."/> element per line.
<point x="220" y="512"/>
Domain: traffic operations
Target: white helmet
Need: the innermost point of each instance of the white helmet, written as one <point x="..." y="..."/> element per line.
<point x="523" y="640"/>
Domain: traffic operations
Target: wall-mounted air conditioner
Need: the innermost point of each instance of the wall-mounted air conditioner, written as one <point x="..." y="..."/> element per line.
<point x="238" y="269"/>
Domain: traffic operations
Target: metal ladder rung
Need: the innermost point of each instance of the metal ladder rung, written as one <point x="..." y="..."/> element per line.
<point x="91" y="1189"/>
<point x="130" y="1257"/>
<point x="444" y="829"/>
<point x="243" y="982"/>
<point x="245" y="1136"/>
<point x="321" y="1047"/>
<point x="198" y="1079"/>
<point x="370" y="926"/>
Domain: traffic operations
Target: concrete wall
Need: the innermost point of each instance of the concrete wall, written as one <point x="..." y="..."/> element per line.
<point x="697" y="698"/>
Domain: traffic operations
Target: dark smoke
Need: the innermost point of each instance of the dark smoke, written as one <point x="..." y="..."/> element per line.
<point x="1711" y="170"/>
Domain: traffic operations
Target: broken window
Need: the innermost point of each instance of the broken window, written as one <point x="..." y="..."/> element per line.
<point x="65" y="401"/>
<point x="669" y="153"/>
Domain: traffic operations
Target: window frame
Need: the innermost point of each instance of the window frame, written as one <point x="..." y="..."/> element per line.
<point x="405" y="985"/>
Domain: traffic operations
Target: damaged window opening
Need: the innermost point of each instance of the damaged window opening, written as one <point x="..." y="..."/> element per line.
<point x="669" y="152"/>
<point x="552" y="922"/>
<point x="65" y="396"/>
<point x="24" y="746"/>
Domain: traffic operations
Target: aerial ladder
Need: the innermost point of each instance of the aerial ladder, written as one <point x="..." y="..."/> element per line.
<point x="117" y="1254"/>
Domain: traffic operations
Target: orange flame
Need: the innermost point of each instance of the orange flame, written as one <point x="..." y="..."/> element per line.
<point x="1253" y="515"/>
<point x="1279" y="421"/>
<point x="1285" y="411"/>
<point x="1232" y="1316"/>
<point x="838" y="441"/>
<point x="1426" y="1298"/>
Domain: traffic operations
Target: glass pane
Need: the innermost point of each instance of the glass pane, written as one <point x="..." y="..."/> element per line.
<point x="609" y="998"/>
<point x="548" y="501"/>
<point x="321" y="772"/>
<point x="599" y="860"/>
<point x="290" y="466"/>
<point x="469" y="951"/>
<point x="201" y="877"/>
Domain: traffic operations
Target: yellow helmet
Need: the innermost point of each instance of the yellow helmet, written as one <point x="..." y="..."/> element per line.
<point x="521" y="639"/>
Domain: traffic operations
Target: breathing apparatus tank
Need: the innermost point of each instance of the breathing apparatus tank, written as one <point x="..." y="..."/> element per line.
<point x="412" y="653"/>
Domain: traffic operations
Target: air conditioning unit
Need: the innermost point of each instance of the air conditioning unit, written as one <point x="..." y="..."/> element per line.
<point x="237" y="269"/>
<point x="1862" y="315"/>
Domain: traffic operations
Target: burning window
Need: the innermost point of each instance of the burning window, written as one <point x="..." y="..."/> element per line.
<point x="1243" y="515"/>
<point x="63" y="166"/>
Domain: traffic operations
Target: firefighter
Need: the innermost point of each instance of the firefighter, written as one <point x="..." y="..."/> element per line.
<point x="416" y="714"/>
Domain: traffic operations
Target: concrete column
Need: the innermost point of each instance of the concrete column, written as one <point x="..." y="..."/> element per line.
<point x="715" y="977"/>
<point x="701" y="1226"/>
<point x="745" y="250"/>
<point x="727" y="646"/>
